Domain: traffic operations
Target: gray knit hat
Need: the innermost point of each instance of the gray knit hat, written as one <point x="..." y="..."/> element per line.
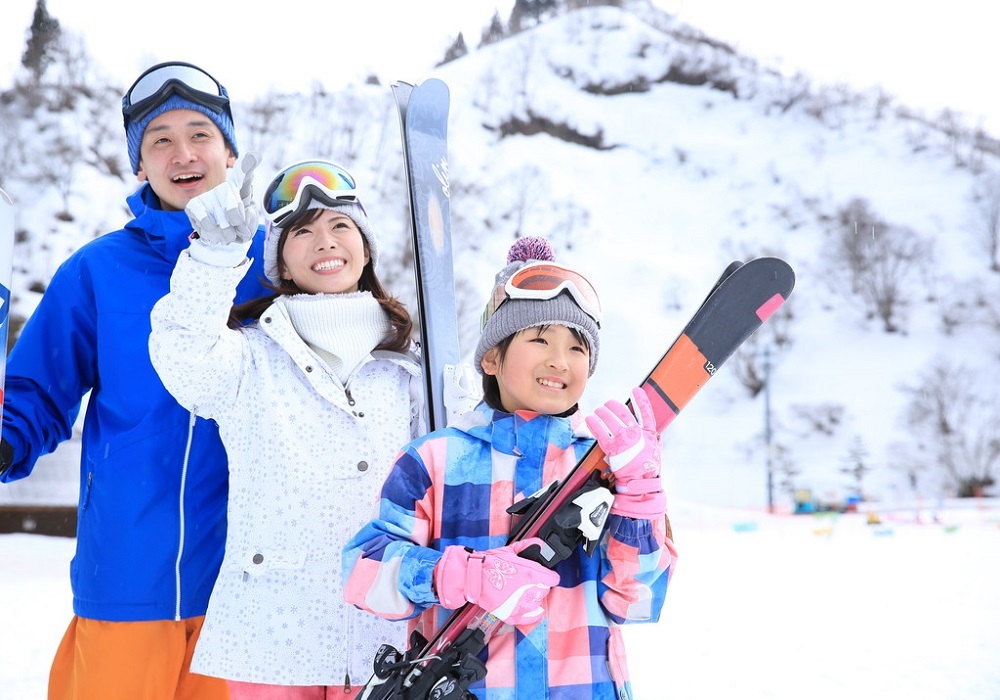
<point x="515" y="315"/>
<point x="352" y="209"/>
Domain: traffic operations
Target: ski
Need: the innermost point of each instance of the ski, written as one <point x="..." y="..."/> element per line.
<point x="423" y="119"/>
<point x="743" y="298"/>
<point x="6" y="272"/>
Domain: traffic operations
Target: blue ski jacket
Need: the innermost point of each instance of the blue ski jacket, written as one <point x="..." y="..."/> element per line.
<point x="153" y="478"/>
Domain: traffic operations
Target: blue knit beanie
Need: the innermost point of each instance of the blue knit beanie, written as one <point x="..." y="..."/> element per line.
<point x="135" y="129"/>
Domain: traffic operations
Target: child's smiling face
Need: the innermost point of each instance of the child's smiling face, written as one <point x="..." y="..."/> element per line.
<point x="545" y="369"/>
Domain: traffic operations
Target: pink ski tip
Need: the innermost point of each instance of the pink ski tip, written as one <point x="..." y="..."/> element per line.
<point x="765" y="310"/>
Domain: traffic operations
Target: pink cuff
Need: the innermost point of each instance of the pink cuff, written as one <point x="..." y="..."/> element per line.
<point x="646" y="506"/>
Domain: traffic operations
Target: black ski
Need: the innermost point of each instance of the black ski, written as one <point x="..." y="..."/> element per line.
<point x="743" y="298"/>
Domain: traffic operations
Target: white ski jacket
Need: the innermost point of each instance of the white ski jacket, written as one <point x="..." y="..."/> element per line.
<point x="307" y="458"/>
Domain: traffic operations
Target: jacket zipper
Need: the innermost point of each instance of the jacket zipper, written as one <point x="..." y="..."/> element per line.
<point x="180" y="504"/>
<point x="350" y="645"/>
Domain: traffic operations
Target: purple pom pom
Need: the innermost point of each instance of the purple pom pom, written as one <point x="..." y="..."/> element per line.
<point x="530" y="248"/>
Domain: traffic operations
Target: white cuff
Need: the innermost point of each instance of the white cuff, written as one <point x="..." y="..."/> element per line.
<point x="219" y="255"/>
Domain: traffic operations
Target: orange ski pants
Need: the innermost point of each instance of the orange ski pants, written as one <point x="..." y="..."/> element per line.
<point x="99" y="660"/>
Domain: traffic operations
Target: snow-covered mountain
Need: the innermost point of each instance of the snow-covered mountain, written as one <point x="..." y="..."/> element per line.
<point x="651" y="155"/>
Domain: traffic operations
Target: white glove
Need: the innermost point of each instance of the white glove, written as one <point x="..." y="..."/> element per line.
<point x="462" y="390"/>
<point x="227" y="213"/>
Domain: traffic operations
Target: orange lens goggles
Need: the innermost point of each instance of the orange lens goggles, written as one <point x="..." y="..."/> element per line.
<point x="542" y="280"/>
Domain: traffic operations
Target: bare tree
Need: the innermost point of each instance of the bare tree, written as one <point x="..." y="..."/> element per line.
<point x="986" y="203"/>
<point x="824" y="417"/>
<point x="60" y="163"/>
<point x="11" y="148"/>
<point x="570" y="219"/>
<point x="523" y="196"/>
<point x="104" y="147"/>
<point x="486" y="88"/>
<point x="875" y="261"/>
<point x="953" y="415"/>
<point x="856" y="465"/>
<point x="341" y="124"/>
<point x="748" y="368"/>
<point x="260" y="124"/>
<point x="783" y="467"/>
<point x="73" y="67"/>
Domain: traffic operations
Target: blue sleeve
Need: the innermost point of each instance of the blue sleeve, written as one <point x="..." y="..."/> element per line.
<point x="53" y="364"/>
<point x="389" y="563"/>
<point x="637" y="559"/>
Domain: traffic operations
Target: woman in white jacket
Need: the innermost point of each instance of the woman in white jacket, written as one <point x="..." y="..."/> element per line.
<point x="313" y="389"/>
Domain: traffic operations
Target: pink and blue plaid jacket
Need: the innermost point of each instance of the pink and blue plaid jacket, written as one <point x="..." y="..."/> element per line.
<point x="453" y="486"/>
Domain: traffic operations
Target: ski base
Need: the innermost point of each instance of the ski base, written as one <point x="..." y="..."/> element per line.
<point x="423" y="121"/>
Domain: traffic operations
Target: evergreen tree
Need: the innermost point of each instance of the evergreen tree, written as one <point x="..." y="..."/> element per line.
<point x="529" y="13"/>
<point x="43" y="35"/>
<point x="456" y="50"/>
<point x="494" y="32"/>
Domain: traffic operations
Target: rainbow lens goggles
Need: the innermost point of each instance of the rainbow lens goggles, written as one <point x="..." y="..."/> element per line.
<point x="542" y="280"/>
<point x="165" y="79"/>
<point x="294" y="187"/>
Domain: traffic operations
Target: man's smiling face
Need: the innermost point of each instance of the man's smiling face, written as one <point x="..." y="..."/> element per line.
<point x="183" y="154"/>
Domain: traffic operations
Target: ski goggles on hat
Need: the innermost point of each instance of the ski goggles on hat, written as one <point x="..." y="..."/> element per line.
<point x="294" y="187"/>
<point x="165" y="79"/>
<point x="543" y="280"/>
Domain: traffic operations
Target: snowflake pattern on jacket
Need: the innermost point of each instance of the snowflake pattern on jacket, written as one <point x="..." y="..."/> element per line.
<point x="307" y="457"/>
<point x="453" y="487"/>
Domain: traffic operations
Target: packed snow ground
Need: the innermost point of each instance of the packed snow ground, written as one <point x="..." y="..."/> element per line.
<point x="774" y="607"/>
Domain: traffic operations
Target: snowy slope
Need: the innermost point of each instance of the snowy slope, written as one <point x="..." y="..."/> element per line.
<point x="732" y="161"/>
<point x="692" y="177"/>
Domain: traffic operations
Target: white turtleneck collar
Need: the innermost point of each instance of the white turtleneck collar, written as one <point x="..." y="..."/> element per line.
<point x="342" y="329"/>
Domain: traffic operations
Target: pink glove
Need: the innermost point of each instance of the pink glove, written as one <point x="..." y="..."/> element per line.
<point x="631" y="444"/>
<point x="497" y="580"/>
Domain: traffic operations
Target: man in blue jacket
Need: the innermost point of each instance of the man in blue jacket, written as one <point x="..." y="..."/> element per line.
<point x="153" y="478"/>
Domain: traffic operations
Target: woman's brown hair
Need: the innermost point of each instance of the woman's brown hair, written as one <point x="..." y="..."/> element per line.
<point x="399" y="318"/>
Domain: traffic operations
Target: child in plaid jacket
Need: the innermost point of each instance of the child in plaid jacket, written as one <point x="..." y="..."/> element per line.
<point x="439" y="536"/>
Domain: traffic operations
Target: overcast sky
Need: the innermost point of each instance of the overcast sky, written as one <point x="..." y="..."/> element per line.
<point x="945" y="56"/>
